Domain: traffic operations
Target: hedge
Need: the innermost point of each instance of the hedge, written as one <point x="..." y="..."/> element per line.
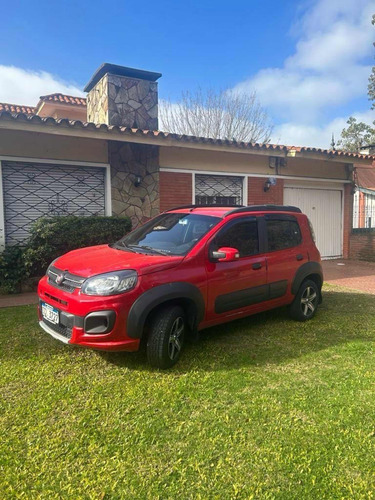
<point x="51" y="237"/>
<point x="12" y="269"/>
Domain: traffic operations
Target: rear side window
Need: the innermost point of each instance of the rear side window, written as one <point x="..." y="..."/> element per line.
<point x="282" y="234"/>
<point x="241" y="235"/>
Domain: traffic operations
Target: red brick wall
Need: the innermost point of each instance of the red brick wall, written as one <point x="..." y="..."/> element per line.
<point x="348" y="220"/>
<point x="175" y="189"/>
<point x="362" y="246"/>
<point x="257" y="196"/>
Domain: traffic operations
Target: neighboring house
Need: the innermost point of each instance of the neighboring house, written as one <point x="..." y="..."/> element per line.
<point x="362" y="241"/>
<point x="105" y="155"/>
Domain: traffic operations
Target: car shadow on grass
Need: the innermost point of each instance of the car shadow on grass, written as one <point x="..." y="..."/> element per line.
<point x="272" y="337"/>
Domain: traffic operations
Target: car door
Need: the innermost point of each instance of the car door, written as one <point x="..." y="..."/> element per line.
<point x="234" y="287"/>
<point x="285" y="251"/>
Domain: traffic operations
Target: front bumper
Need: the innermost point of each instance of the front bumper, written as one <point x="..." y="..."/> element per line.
<point x="96" y="322"/>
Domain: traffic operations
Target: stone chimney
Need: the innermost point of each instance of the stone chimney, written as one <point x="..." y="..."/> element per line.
<point x="123" y="96"/>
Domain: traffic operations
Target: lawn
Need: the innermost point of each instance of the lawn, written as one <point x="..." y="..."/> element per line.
<point x="261" y="408"/>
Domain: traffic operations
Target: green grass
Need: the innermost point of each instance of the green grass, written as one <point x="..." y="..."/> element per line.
<point x="261" y="408"/>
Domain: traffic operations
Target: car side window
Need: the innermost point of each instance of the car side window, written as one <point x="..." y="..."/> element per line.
<point x="241" y="235"/>
<point x="283" y="234"/>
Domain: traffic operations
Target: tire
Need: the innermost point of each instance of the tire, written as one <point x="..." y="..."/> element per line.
<point x="305" y="303"/>
<point x="166" y="337"/>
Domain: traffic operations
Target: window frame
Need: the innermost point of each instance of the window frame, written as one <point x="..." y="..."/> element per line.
<point x="280" y="217"/>
<point x="220" y="174"/>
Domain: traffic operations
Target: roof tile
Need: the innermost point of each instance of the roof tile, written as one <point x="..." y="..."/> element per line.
<point x="64" y="99"/>
<point x="48" y="121"/>
<point x="16" y="108"/>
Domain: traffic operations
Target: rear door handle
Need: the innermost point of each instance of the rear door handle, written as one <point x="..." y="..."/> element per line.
<point x="299" y="256"/>
<point x="257" y="265"/>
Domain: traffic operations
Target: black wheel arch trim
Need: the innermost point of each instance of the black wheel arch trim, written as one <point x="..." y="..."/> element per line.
<point x="159" y="295"/>
<point x="303" y="272"/>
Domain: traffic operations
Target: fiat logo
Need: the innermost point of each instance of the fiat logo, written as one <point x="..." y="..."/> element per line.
<point x="60" y="278"/>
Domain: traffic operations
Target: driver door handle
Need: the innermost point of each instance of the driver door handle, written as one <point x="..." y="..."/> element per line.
<point x="257" y="265"/>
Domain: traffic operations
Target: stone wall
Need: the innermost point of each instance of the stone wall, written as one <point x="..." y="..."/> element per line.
<point x="124" y="101"/>
<point x="132" y="102"/>
<point x="128" y="161"/>
<point x="97" y="102"/>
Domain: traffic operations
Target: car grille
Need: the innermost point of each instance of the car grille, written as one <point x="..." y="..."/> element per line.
<point x="69" y="283"/>
<point x="65" y="331"/>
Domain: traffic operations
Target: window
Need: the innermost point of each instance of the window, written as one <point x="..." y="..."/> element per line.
<point x="282" y="234"/>
<point x="363" y="210"/>
<point x="241" y="235"/>
<point x="218" y="190"/>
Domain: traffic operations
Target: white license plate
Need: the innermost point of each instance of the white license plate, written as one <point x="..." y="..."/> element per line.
<point x="50" y="313"/>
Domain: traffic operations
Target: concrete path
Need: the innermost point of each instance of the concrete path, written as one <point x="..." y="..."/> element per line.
<point x="19" y="299"/>
<point x="355" y="274"/>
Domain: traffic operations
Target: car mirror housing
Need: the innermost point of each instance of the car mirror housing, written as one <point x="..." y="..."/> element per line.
<point x="226" y="254"/>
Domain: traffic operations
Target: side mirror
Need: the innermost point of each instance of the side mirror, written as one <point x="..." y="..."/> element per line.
<point x="226" y="254"/>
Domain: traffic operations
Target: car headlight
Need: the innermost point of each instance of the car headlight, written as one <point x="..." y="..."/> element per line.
<point x="110" y="283"/>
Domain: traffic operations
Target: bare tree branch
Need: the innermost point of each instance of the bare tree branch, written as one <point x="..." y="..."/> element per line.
<point x="218" y="115"/>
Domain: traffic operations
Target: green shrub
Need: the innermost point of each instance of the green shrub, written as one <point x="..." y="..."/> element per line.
<point x="12" y="269"/>
<point x="53" y="236"/>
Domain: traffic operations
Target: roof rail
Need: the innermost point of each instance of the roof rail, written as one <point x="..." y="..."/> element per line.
<point x="265" y="208"/>
<point x="205" y="206"/>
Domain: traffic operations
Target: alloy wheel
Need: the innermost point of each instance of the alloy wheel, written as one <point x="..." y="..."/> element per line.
<point x="175" y="338"/>
<point x="308" y="301"/>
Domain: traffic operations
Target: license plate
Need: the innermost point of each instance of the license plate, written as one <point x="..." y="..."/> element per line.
<point x="50" y="313"/>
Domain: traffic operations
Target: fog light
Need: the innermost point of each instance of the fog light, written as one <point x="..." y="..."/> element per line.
<point x="99" y="322"/>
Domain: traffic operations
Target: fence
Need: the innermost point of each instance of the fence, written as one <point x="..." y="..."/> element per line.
<point x="364" y="210"/>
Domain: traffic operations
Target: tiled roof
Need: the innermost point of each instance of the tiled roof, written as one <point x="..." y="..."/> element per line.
<point x="330" y="152"/>
<point x="64" y="99"/>
<point x="366" y="177"/>
<point x="16" y="108"/>
<point x="167" y="136"/>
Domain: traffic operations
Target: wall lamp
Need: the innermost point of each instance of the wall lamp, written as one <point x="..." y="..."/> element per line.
<point x="271" y="181"/>
<point x="267" y="186"/>
<point x="137" y="180"/>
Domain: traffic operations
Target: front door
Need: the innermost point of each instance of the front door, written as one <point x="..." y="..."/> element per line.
<point x="234" y="287"/>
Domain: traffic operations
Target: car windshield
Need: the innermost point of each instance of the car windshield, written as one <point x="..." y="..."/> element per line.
<point x="168" y="234"/>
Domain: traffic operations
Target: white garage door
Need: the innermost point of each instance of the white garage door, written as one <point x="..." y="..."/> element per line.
<point x="324" y="209"/>
<point x="33" y="190"/>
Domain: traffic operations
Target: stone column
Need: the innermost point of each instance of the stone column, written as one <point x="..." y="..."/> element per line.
<point x="128" y="97"/>
<point x="128" y="161"/>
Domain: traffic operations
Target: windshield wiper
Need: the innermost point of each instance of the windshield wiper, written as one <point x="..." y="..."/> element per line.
<point x="120" y="245"/>
<point x="145" y="247"/>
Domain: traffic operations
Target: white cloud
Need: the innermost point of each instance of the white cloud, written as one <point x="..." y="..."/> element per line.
<point x="328" y="68"/>
<point x="297" y="134"/>
<point x="20" y="86"/>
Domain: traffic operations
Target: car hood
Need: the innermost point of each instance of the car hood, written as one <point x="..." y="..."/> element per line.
<point x="101" y="259"/>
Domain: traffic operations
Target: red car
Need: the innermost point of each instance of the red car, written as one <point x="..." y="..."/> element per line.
<point x="187" y="269"/>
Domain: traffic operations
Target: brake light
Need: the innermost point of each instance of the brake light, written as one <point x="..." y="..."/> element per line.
<point x="311" y="230"/>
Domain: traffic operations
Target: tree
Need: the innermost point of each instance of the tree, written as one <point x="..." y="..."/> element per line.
<point x="371" y="80"/>
<point x="356" y="135"/>
<point x="218" y="115"/>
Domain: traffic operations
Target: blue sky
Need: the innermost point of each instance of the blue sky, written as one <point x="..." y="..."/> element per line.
<point x="308" y="60"/>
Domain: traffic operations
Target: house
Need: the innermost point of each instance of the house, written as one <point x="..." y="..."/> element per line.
<point x="362" y="240"/>
<point x="105" y="155"/>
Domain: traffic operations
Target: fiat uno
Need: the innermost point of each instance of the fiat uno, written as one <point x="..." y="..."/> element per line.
<point x="187" y="269"/>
